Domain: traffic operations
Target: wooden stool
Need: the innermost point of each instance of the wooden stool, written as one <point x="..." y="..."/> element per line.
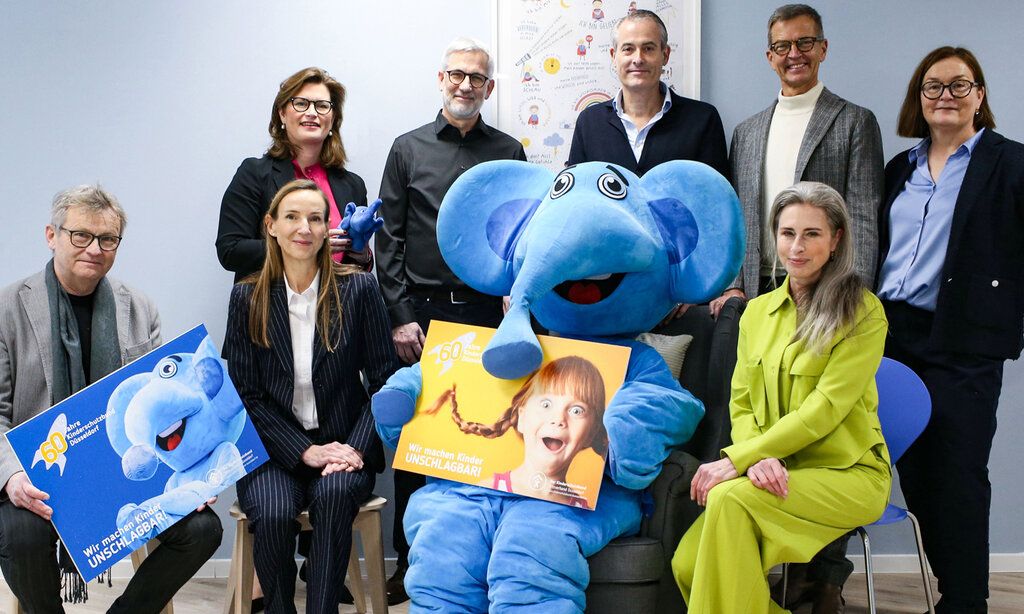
<point x="367" y="526"/>
<point x="137" y="557"/>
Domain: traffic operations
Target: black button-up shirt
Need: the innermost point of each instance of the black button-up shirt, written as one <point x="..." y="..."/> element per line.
<point x="421" y="167"/>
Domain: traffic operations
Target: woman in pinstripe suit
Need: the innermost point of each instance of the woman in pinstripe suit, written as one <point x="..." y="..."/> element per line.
<point x="300" y="331"/>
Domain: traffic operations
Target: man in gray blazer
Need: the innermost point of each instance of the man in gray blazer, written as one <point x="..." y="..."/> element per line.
<point x="807" y="134"/>
<point x="60" y="330"/>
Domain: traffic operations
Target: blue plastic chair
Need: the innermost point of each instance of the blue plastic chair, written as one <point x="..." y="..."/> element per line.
<point x="904" y="407"/>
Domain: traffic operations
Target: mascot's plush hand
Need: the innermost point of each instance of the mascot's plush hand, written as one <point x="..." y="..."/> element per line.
<point x="393" y="406"/>
<point x="592" y="251"/>
<point x="360" y="223"/>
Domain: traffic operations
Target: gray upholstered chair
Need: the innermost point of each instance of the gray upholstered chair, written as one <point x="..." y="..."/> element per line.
<point x="633" y="574"/>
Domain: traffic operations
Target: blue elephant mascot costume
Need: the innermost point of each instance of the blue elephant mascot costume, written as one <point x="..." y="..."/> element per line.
<point x="595" y="253"/>
<point x="183" y="415"/>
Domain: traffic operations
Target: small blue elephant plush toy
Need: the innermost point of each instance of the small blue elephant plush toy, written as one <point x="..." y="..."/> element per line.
<point x="592" y="252"/>
<point x="360" y="223"/>
<point x="180" y="414"/>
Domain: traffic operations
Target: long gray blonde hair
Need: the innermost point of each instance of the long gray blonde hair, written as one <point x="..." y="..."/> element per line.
<point x="831" y="305"/>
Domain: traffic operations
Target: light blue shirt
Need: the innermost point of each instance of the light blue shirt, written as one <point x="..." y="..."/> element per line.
<point x="919" y="224"/>
<point x="636" y="137"/>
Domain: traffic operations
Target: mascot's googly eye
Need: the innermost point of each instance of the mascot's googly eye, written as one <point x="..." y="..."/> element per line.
<point x="563" y="183"/>
<point x="611" y="186"/>
<point x="167" y="368"/>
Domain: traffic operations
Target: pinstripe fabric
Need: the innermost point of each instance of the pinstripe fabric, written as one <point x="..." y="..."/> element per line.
<point x="273" y="495"/>
<point x="842" y="148"/>
<point x="263" y="376"/>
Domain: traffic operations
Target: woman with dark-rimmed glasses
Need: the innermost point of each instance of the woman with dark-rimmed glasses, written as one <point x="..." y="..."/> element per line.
<point x="951" y="281"/>
<point x="305" y="132"/>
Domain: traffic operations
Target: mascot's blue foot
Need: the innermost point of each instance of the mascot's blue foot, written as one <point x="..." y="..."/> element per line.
<point x="392" y="407"/>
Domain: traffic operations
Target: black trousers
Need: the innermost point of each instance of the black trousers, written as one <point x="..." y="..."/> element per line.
<point x="272" y="497"/>
<point x="482" y="313"/>
<point x="28" y="557"/>
<point x="944" y="474"/>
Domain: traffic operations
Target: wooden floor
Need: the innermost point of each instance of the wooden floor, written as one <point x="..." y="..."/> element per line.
<point x="894" y="593"/>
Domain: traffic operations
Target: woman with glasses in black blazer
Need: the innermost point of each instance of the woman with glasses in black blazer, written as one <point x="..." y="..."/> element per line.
<point x="952" y="283"/>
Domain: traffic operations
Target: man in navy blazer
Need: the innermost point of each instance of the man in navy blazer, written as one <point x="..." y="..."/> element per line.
<point x="646" y="123"/>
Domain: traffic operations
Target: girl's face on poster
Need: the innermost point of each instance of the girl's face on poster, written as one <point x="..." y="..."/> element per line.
<point x="555" y="427"/>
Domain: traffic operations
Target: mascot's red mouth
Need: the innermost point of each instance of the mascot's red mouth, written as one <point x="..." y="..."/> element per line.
<point x="171" y="437"/>
<point x="589" y="291"/>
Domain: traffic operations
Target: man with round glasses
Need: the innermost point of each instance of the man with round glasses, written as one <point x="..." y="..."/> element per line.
<point x="61" y="330"/>
<point x="416" y="283"/>
<point x="806" y="134"/>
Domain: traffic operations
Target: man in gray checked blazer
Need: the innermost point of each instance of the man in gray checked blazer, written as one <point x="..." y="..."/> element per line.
<point x="807" y="134"/>
<point x="60" y="330"/>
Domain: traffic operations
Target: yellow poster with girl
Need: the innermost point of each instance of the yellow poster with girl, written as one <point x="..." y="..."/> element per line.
<point x="540" y="436"/>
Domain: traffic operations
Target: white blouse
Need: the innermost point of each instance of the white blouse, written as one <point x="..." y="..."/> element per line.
<point x="302" y="320"/>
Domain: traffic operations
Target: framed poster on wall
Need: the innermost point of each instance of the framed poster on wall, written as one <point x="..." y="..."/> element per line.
<point x="554" y="59"/>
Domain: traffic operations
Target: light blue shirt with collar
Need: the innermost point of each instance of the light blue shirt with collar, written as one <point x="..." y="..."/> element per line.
<point x="637" y="137"/>
<point x="919" y="225"/>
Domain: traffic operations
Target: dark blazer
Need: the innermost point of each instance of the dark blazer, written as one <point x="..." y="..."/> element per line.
<point x="240" y="245"/>
<point x="264" y="377"/>
<point x="980" y="306"/>
<point x="691" y="130"/>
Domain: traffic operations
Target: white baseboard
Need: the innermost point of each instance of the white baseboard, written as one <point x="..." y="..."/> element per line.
<point x="907" y="563"/>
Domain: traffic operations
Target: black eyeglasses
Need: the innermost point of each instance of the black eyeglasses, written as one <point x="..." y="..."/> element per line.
<point x="475" y="79"/>
<point x="932" y="90"/>
<point x="322" y="107"/>
<point x="804" y="44"/>
<point x="82" y="239"/>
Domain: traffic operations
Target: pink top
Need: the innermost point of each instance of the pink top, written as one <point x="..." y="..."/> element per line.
<point x="318" y="175"/>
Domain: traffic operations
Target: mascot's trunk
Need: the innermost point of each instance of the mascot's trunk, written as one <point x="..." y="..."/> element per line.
<point x="573" y="253"/>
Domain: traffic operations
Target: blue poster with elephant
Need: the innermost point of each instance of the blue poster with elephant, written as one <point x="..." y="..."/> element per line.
<point x="133" y="453"/>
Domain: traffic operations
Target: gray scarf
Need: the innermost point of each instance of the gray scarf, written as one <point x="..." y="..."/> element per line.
<point x="68" y="374"/>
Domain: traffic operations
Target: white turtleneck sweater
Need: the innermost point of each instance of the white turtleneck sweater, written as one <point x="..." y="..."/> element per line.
<point x="789" y="123"/>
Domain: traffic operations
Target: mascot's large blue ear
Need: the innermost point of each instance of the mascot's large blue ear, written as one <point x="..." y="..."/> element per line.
<point x="701" y="222"/>
<point x="482" y="217"/>
<point x="117" y="405"/>
<point x="208" y="368"/>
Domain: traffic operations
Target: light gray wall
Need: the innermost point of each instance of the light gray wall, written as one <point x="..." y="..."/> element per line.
<point x="160" y="102"/>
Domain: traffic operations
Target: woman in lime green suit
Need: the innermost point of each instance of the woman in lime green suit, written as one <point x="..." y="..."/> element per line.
<point x="808" y="462"/>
